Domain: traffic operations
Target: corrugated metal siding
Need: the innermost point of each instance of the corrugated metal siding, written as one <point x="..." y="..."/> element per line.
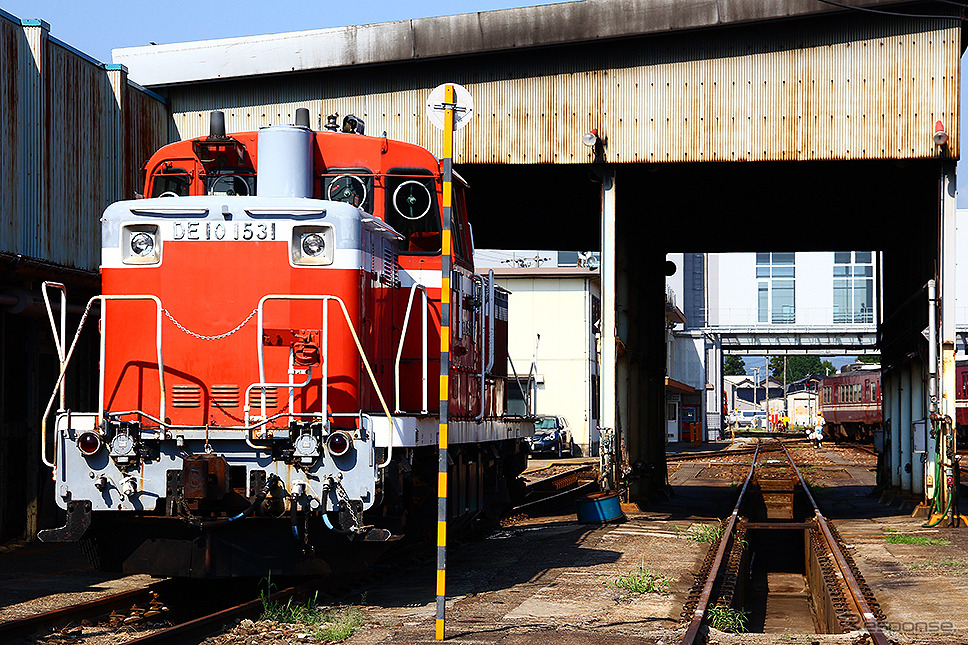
<point x="11" y="36"/>
<point x="66" y="145"/>
<point x="146" y="130"/>
<point x="822" y="89"/>
<point x="30" y="118"/>
<point x="79" y="101"/>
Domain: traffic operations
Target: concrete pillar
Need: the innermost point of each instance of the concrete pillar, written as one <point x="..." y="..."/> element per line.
<point x="904" y="427"/>
<point x="917" y="414"/>
<point x="608" y="384"/>
<point x="714" y="395"/>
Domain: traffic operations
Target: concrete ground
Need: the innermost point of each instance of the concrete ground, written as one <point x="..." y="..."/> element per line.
<point x="549" y="578"/>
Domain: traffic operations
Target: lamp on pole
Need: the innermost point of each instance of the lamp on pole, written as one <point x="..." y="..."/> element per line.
<point x="756" y="376"/>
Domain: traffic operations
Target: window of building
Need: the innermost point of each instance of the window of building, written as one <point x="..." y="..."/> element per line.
<point x="853" y="287"/>
<point x="775" y="288"/>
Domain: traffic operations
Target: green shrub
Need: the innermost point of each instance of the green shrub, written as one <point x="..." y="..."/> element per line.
<point x="644" y="580"/>
<point x="727" y="619"/>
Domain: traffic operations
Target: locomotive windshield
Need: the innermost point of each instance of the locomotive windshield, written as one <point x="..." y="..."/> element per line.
<point x="411" y="209"/>
<point x="230" y="181"/>
<point x="352" y="186"/>
<point x="171" y="182"/>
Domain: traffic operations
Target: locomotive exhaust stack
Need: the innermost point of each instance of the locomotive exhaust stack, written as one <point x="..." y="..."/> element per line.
<point x="285" y="161"/>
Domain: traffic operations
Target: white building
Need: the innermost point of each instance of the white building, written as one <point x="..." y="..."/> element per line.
<point x="554" y="312"/>
<point x="830" y="291"/>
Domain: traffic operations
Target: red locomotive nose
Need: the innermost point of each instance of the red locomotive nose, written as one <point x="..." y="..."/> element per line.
<point x="89" y="442"/>
<point x="338" y="444"/>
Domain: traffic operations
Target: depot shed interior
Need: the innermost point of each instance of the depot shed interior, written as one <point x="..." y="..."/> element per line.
<point x="722" y="126"/>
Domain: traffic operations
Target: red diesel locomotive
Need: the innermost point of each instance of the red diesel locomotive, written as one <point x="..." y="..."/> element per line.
<point x="268" y="398"/>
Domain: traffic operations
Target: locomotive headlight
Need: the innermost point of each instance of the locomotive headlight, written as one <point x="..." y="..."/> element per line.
<point x="339" y="443"/>
<point x="142" y="244"/>
<point x="313" y="245"/>
<point x="89" y="443"/>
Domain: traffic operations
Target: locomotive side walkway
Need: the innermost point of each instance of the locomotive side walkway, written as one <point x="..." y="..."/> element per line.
<point x="551" y="578"/>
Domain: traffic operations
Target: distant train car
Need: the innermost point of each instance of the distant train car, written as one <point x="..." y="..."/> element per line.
<point x="851" y="403"/>
<point x="961" y="399"/>
<point x="852" y="407"/>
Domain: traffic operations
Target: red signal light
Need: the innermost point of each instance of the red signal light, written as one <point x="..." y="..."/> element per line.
<point x="89" y="443"/>
<point x="338" y="444"/>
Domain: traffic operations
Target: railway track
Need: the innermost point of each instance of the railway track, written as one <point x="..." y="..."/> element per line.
<point x="176" y="615"/>
<point x="841" y="599"/>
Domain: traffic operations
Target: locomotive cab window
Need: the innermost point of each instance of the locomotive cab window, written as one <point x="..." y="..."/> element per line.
<point x="171" y="182"/>
<point x="353" y="186"/>
<point x="231" y="182"/>
<point x="411" y="209"/>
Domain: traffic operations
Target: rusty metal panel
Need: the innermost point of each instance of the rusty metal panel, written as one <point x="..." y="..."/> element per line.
<point x="11" y="36"/>
<point x="79" y="100"/>
<point x="65" y="147"/>
<point x="31" y="113"/>
<point x="145" y="130"/>
<point x="824" y="89"/>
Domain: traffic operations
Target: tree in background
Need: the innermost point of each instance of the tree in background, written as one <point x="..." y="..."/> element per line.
<point x="734" y="365"/>
<point x="799" y="366"/>
<point x="869" y="358"/>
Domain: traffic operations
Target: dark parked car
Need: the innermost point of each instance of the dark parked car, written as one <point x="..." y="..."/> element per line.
<point x="551" y="437"/>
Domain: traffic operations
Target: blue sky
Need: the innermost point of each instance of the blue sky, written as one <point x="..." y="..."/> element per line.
<point x="97" y="26"/>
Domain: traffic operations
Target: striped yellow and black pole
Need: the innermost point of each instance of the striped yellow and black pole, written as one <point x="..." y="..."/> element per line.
<point x="445" y="269"/>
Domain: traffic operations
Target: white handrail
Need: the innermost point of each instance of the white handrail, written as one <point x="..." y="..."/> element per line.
<point x="403" y="336"/>
<point x="60" y="341"/>
<point x="359" y="347"/>
<point x="70" y="354"/>
<point x="290" y="385"/>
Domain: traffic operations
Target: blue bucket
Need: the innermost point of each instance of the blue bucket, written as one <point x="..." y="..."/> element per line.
<point x="600" y="507"/>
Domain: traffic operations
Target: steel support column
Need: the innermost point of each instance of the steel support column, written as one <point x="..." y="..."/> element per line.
<point x="904" y="427"/>
<point x="946" y="293"/>
<point x="607" y="382"/>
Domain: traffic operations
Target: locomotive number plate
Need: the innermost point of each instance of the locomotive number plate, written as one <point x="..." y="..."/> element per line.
<point x="243" y="231"/>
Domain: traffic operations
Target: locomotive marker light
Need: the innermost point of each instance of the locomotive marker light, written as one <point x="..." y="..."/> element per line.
<point x="449" y="108"/>
<point x="89" y="443"/>
<point x="338" y="443"/>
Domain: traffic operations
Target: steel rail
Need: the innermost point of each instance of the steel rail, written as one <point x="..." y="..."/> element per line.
<point x="11" y="630"/>
<point x="700" y="613"/>
<point x="870" y="622"/>
<point x="197" y="629"/>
